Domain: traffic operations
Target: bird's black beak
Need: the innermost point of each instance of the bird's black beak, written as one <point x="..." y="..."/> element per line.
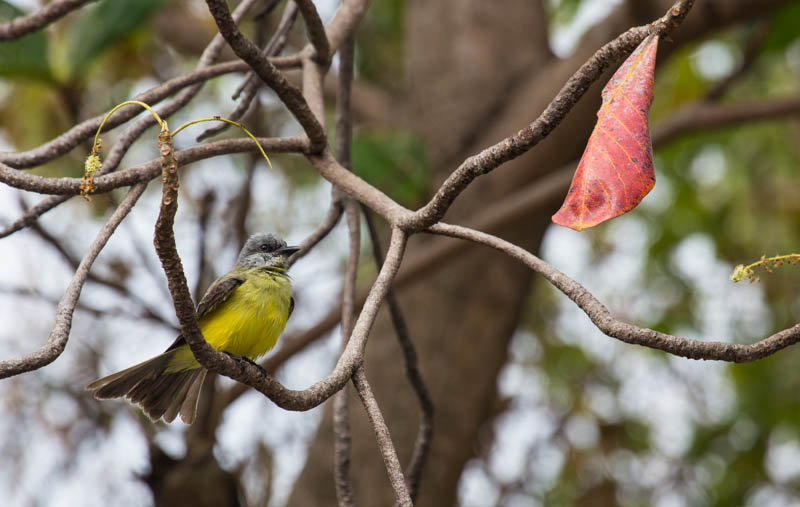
<point x="287" y="250"/>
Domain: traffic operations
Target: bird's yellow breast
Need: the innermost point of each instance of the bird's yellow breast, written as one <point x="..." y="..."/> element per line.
<point x="248" y="322"/>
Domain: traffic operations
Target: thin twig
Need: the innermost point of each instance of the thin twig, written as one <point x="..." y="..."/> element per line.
<point x="388" y="453"/>
<point x="32" y="214"/>
<point x="209" y="56"/>
<point x="287" y="93"/>
<point x="424" y="438"/>
<point x="628" y="333"/>
<point x="57" y="340"/>
<point x="74" y="136"/>
<point x="117" y="286"/>
<point x="251" y="84"/>
<point x="345" y="20"/>
<point x="341" y="416"/>
<point x="243" y="201"/>
<point x="68" y="140"/>
<point x="203" y="268"/>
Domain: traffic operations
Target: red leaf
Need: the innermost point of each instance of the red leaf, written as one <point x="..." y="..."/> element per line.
<point x="616" y="170"/>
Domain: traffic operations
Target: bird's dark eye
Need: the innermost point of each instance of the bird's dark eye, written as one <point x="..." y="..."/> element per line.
<point x="264" y="247"/>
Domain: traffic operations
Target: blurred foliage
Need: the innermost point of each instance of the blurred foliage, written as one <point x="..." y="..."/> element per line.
<point x="102" y="26"/>
<point x="783" y="28"/>
<point x="25" y="57"/>
<point x="393" y="161"/>
<point x="379" y="44"/>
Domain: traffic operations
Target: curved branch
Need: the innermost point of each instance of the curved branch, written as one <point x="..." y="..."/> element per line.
<point x="316" y="32"/>
<point x="17" y="27"/>
<point x="358" y="189"/>
<point x="628" y="333"/>
<point x="332" y="217"/>
<point x="344" y="22"/>
<point x="57" y="341"/>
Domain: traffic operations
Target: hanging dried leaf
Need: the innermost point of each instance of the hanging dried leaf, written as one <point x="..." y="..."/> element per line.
<point x="616" y="169"/>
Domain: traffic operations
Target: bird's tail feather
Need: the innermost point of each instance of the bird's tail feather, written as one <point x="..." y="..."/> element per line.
<point x="160" y="394"/>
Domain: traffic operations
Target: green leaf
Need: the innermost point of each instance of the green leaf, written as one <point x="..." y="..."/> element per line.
<point x="783" y="28"/>
<point x="107" y="23"/>
<point x="25" y="57"/>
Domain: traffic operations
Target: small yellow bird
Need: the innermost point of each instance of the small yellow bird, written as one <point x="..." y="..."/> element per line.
<point x="243" y="313"/>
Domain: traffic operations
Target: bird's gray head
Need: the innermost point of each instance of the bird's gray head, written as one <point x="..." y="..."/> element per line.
<point x="265" y="249"/>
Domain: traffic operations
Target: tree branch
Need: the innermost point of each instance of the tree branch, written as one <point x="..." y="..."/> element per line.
<point x="251" y="84"/>
<point x="341" y="422"/>
<point x="32" y="214"/>
<point x="628" y="333"/>
<point x="316" y="32"/>
<point x="388" y="453"/>
<point x="341" y="413"/>
<point x="424" y="438"/>
<point x="148" y="170"/>
<point x="288" y="94"/>
<point x="23" y="25"/>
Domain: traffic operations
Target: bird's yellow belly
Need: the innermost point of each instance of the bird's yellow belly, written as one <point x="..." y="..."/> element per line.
<point x="248" y="323"/>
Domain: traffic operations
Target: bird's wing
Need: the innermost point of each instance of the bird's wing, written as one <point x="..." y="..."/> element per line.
<point x="291" y="307"/>
<point x="218" y="293"/>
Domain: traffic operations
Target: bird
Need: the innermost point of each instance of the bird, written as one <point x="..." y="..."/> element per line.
<point x="242" y="314"/>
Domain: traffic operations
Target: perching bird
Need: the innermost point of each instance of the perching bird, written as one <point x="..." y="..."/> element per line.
<point x="243" y="313"/>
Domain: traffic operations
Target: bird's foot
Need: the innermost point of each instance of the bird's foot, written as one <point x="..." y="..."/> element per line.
<point x="242" y="359"/>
